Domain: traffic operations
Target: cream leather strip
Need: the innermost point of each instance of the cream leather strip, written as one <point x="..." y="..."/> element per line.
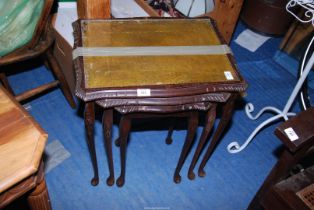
<point x="147" y="51"/>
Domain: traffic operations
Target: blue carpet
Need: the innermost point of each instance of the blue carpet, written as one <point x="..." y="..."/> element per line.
<point x="287" y="62"/>
<point x="231" y="181"/>
<point x="292" y="66"/>
<point x="267" y="51"/>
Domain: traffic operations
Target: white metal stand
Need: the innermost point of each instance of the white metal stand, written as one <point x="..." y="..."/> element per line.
<point x="234" y="147"/>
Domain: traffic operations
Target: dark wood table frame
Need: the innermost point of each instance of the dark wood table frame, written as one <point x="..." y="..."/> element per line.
<point x="89" y="117"/>
<point x="107" y="128"/>
<point x="222" y="91"/>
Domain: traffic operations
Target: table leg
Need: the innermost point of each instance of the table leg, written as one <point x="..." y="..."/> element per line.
<point x="170" y="131"/>
<point x="225" y="118"/>
<point x="107" y="128"/>
<point x="38" y="199"/>
<point x="124" y="129"/>
<point x="89" y="119"/>
<point x="209" y="122"/>
<point x="192" y="126"/>
<point x="117" y="142"/>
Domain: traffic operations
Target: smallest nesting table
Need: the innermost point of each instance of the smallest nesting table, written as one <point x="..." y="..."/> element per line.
<point x="172" y="107"/>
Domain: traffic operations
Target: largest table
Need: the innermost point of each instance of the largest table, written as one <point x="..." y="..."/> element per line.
<point x="149" y="60"/>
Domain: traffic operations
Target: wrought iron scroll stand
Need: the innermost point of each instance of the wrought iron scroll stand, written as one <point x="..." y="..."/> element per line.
<point x="234" y="147"/>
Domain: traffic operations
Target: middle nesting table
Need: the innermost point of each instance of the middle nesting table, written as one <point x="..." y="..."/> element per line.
<point x="187" y="106"/>
<point x="135" y="64"/>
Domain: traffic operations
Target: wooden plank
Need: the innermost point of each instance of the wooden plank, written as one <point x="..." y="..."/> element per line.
<point x="148" y="9"/>
<point x="30" y="93"/>
<point x="226" y="15"/>
<point x="93" y="9"/>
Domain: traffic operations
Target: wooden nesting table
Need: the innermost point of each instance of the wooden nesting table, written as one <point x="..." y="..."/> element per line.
<point x="22" y="142"/>
<point x="151" y="66"/>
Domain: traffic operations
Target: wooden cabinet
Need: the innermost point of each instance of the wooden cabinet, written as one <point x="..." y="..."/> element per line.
<point x="92" y="9"/>
<point x="297" y="38"/>
<point x="226" y="14"/>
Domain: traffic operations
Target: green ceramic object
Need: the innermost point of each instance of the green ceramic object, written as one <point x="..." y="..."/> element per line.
<point x="18" y="20"/>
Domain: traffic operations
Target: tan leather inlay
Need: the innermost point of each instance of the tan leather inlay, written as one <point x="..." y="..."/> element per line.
<point x="127" y="71"/>
<point x="124" y="71"/>
<point x="148" y="33"/>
